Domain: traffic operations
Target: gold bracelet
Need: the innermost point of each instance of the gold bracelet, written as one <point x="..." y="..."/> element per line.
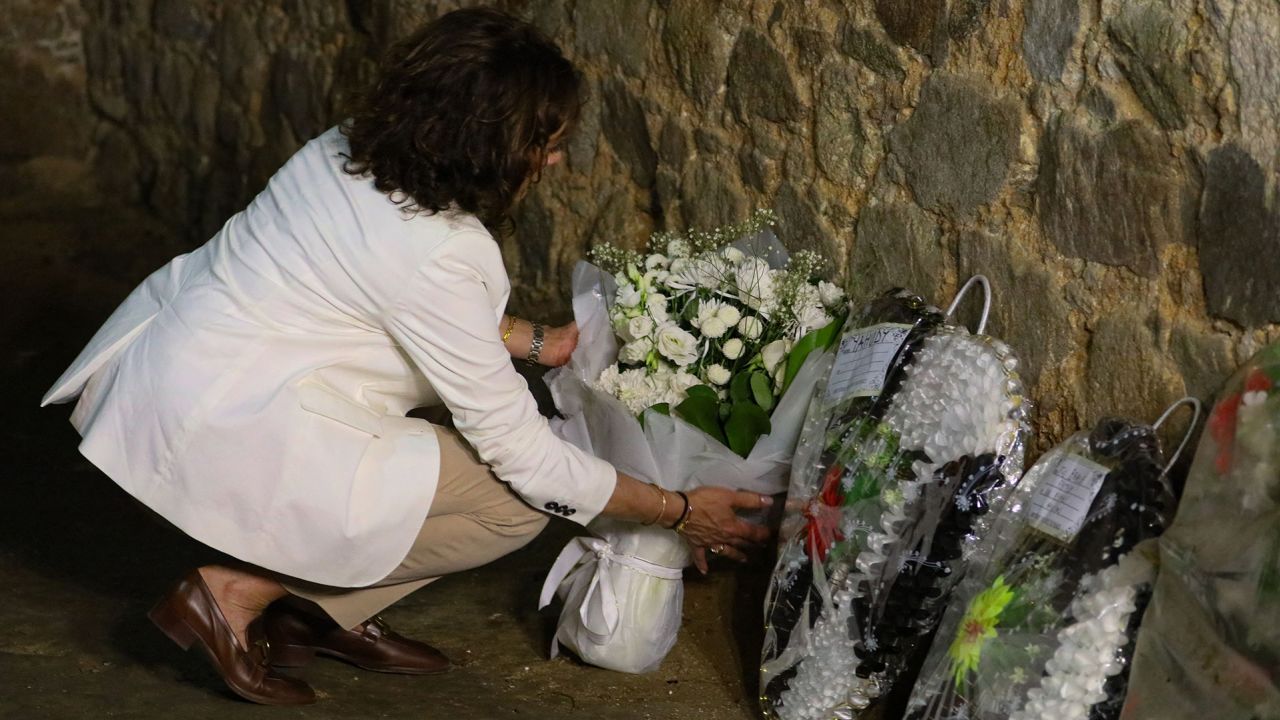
<point x="661" y="512"/>
<point x="511" y="326"/>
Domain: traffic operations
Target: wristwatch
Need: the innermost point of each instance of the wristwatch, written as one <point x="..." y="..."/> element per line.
<point x="535" y="349"/>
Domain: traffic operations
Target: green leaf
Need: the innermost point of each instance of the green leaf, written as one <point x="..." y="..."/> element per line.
<point x="762" y="390"/>
<point x="663" y="408"/>
<point x="747" y="422"/>
<point x="740" y="387"/>
<point x="820" y="339"/>
<point x="703" y="413"/>
<point x="702" y="391"/>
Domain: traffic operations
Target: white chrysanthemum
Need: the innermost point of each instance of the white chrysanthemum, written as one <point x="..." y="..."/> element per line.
<point x="773" y="353"/>
<point x="639" y="327"/>
<point x="732" y="348"/>
<point x="635" y="352"/>
<point x="750" y="327"/>
<point x="755" y="282"/>
<point x="730" y="315"/>
<point x="628" y="295"/>
<point x="656" y="261"/>
<point x="806" y="295"/>
<point x="830" y="293"/>
<point x="718" y="374"/>
<point x="636" y="390"/>
<point x="707" y="309"/>
<point x="656" y="306"/>
<point x="714" y="327"/>
<point x="733" y="255"/>
<point x="608" y="380"/>
<point x="812" y="317"/>
<point x="676" y="344"/>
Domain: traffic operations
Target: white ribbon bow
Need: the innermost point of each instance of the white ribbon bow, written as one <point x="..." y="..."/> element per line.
<point x="598" y="610"/>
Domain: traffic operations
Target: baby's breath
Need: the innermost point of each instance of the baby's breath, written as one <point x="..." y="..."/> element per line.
<point x="690" y="243"/>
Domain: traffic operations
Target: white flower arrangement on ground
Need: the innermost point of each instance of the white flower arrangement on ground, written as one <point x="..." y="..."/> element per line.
<point x="712" y="333"/>
<point x="691" y="371"/>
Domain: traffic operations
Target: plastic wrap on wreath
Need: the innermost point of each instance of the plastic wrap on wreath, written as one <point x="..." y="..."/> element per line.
<point x="1210" y="646"/>
<point x="1043" y="624"/>
<point x="905" y="483"/>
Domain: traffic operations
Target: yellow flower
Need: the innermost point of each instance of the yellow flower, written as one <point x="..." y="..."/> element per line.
<point x="977" y="627"/>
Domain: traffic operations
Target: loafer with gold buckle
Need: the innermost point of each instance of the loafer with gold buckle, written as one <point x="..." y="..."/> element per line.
<point x="189" y="615"/>
<point x="296" y="637"/>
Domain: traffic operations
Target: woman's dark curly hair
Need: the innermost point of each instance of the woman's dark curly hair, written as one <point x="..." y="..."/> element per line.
<point x="462" y="113"/>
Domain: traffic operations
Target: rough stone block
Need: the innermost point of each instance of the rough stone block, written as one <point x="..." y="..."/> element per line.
<point x="897" y="245"/>
<point x="920" y="24"/>
<point x="862" y="45"/>
<point x="760" y="82"/>
<point x="838" y="136"/>
<point x="617" y="32"/>
<point x="1239" y="240"/>
<point x="1050" y="33"/>
<point x="957" y="146"/>
<point x="626" y="130"/>
<point x="696" y="48"/>
<point x="1152" y="46"/>
<point x="1115" y="197"/>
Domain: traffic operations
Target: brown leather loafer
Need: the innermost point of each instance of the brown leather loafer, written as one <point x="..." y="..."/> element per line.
<point x="189" y="615"/>
<point x="297" y="636"/>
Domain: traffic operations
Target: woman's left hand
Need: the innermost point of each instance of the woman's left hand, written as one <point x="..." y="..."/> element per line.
<point x="558" y="344"/>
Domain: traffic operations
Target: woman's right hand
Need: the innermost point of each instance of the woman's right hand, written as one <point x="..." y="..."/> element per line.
<point x="715" y="526"/>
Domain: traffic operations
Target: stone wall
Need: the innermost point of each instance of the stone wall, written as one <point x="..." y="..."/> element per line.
<point x="46" y="129"/>
<point x="1111" y="166"/>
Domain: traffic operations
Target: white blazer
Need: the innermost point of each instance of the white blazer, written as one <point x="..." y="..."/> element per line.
<point x="253" y="391"/>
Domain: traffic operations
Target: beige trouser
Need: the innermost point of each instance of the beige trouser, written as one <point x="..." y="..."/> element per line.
<point x="474" y="519"/>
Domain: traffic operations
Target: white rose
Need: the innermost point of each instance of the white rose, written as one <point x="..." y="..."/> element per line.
<point x="639" y="327"/>
<point x="718" y="374"/>
<point x="714" y="327"/>
<point x="655" y="261"/>
<point x="635" y="352"/>
<point x="707" y="309"/>
<point x="750" y="327"/>
<point x="676" y="344"/>
<point x="733" y="255"/>
<point x="657" y="307"/>
<point x="830" y="293"/>
<point x="773" y="353"/>
<point x="732" y="348"/>
<point x="730" y="315"/>
<point x="628" y="295"/>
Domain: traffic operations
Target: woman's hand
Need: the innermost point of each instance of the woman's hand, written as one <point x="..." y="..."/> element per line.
<point x="715" y="526"/>
<point x="558" y="344"/>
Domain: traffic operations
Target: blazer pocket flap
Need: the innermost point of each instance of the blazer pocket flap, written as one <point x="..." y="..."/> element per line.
<point x="321" y="400"/>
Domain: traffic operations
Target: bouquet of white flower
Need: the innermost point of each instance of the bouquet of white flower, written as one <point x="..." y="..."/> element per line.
<point x="714" y="334"/>
<point x="694" y="367"/>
